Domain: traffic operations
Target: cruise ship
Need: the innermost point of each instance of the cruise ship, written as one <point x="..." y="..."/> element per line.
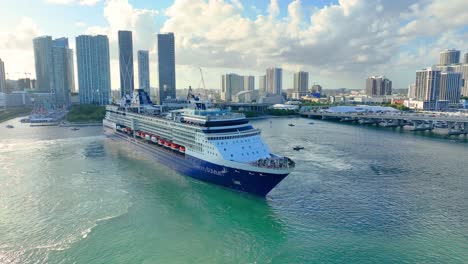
<point x="209" y="144"/>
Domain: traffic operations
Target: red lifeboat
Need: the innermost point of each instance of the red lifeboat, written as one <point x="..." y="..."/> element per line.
<point x="160" y="142"/>
<point x="182" y="149"/>
<point x="174" y="146"/>
<point x="167" y="144"/>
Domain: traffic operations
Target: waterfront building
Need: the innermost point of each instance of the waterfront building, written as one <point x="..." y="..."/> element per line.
<point x="378" y="86"/>
<point x="427" y="87"/>
<point x="2" y="77"/>
<point x="463" y="69"/>
<point x="93" y="60"/>
<point x="43" y="59"/>
<point x="301" y="84"/>
<point x="143" y="71"/>
<point x="449" y="56"/>
<point x="231" y="85"/>
<point x="249" y="83"/>
<point x="450" y="84"/>
<point x="274" y="80"/>
<point x="262" y="83"/>
<point x="126" y="62"/>
<point x="166" y="66"/>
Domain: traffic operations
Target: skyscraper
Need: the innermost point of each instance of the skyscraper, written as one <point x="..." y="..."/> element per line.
<point x="44" y="63"/>
<point x="231" y="84"/>
<point x="449" y="56"/>
<point x="262" y="83"/>
<point x="465" y="58"/>
<point x="249" y="83"/>
<point x="2" y="77"/>
<point x="143" y="70"/>
<point x="427" y="86"/>
<point x="378" y="86"/>
<point x="126" y="62"/>
<point x="61" y="68"/>
<point x="301" y="82"/>
<point x="274" y="80"/>
<point x="450" y="86"/>
<point x="166" y="66"/>
<point x="93" y="60"/>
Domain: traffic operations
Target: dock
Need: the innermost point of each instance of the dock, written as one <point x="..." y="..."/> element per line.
<point x="455" y="125"/>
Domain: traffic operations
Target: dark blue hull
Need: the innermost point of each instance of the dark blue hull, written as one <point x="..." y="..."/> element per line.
<point x="259" y="184"/>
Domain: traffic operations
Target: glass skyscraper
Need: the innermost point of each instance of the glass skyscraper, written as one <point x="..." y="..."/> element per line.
<point x="143" y="70"/>
<point x="166" y="66"/>
<point x="93" y="60"/>
<point x="44" y="63"/>
<point x="126" y="62"/>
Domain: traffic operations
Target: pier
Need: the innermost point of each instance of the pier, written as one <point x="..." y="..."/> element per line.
<point x="454" y="125"/>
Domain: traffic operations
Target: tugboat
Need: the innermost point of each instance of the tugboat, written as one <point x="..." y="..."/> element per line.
<point x="297" y="148"/>
<point x="10" y="126"/>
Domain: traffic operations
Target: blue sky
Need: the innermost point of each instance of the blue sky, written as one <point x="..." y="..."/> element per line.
<point x="338" y="42"/>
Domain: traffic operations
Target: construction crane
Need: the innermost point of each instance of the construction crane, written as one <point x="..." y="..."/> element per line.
<point x="202" y="82"/>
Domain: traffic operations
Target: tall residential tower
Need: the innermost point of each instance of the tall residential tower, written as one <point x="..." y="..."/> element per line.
<point x="93" y="60"/>
<point x="166" y="66"/>
<point x="126" y="62"/>
<point x="143" y="70"/>
<point x="2" y="77"/>
<point x="274" y="80"/>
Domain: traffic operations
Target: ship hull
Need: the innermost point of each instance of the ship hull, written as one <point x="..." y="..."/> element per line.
<point x="255" y="183"/>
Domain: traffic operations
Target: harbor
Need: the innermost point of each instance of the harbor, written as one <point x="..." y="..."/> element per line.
<point x="444" y="123"/>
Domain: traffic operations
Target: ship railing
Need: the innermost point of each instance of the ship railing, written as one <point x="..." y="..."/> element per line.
<point x="274" y="162"/>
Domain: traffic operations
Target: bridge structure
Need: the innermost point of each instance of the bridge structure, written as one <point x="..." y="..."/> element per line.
<point x="454" y="124"/>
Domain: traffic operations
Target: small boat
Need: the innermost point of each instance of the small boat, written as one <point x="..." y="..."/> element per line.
<point x="74" y="129"/>
<point x="10" y="126"/>
<point x="311" y="123"/>
<point x="291" y="125"/>
<point x="297" y="148"/>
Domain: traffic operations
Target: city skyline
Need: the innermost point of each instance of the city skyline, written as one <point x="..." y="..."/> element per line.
<point x="419" y="47"/>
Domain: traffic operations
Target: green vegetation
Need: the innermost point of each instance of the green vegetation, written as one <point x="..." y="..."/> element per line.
<point x="250" y="114"/>
<point x="397" y="106"/>
<point x="281" y="112"/>
<point x="86" y="113"/>
<point x="10" y="113"/>
<point x="465" y="98"/>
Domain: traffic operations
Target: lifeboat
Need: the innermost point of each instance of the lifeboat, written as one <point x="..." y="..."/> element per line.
<point x="118" y="128"/>
<point x="154" y="139"/>
<point x="147" y="137"/>
<point x="160" y="142"/>
<point x="167" y="144"/>
<point x="174" y="146"/>
<point x="182" y="149"/>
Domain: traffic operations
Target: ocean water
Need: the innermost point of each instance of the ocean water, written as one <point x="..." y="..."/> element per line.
<point x="358" y="195"/>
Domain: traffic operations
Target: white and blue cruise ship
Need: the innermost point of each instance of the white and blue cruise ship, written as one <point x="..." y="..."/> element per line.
<point x="208" y="144"/>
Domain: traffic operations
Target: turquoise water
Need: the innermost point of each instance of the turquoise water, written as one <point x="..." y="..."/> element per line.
<point x="358" y="195"/>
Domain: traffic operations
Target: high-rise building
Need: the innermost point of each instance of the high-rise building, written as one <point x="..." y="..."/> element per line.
<point x="450" y="86"/>
<point x="262" y="83"/>
<point x="44" y="63"/>
<point x="249" y="83"/>
<point x="427" y="86"/>
<point x="412" y="91"/>
<point x="64" y="81"/>
<point x="2" y="77"/>
<point x="274" y="80"/>
<point x="126" y="62"/>
<point x="143" y="70"/>
<point x="449" y="56"/>
<point x="463" y="69"/>
<point x="166" y="66"/>
<point x="378" y="86"/>
<point x="231" y="85"/>
<point x="93" y="61"/>
<point x="301" y="82"/>
<point x="465" y="58"/>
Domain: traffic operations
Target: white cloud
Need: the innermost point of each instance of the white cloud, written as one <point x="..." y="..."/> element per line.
<point x="72" y="2"/>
